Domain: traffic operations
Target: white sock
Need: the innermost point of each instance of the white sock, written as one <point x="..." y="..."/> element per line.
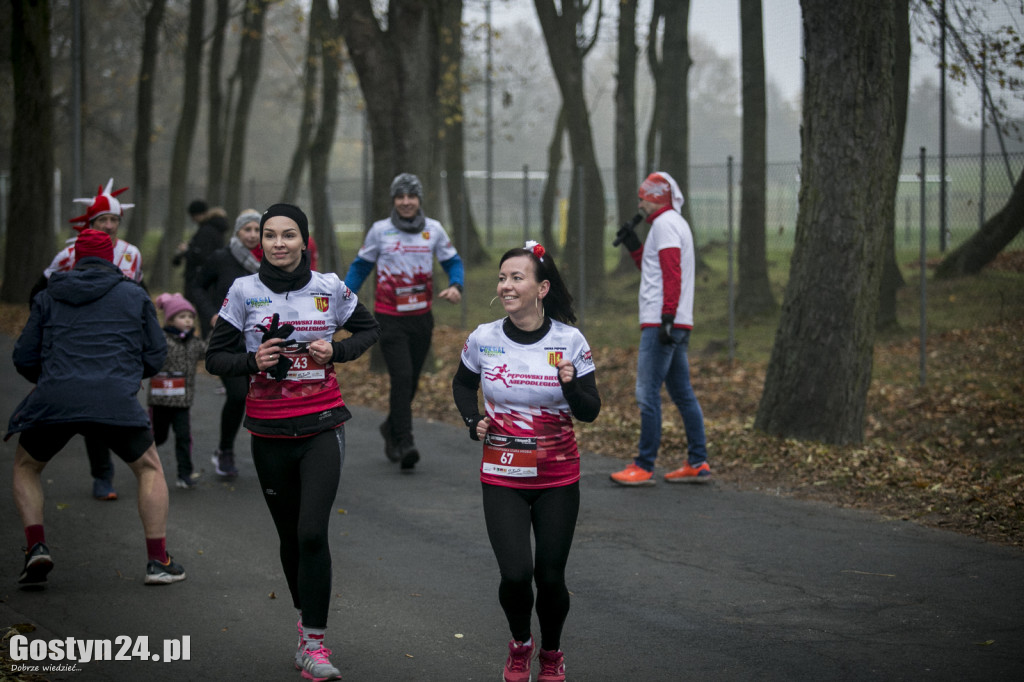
<point x="314" y="637"/>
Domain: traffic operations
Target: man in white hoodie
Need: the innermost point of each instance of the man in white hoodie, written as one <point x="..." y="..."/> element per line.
<point x="667" y="264"/>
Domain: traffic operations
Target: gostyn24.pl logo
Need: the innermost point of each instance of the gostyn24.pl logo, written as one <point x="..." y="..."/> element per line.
<point x="39" y="655"/>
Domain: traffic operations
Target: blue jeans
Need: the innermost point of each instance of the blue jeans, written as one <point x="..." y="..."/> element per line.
<point x="659" y="364"/>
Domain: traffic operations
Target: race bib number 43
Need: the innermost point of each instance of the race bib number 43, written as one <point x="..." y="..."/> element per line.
<point x="513" y="456"/>
<point x="304" y="367"/>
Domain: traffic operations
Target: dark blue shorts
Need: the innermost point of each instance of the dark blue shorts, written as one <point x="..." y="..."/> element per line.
<point x="127" y="442"/>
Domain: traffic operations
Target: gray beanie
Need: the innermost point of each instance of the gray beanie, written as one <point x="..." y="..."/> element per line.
<point x="406" y="183"/>
<point x="249" y="215"/>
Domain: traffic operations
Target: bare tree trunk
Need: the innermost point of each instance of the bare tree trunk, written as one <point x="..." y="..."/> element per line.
<point x="674" y="90"/>
<point x="138" y="222"/>
<point x="464" y="233"/>
<point x="626" y="179"/>
<point x="376" y="65"/>
<point x="820" y="369"/>
<point x="672" y="106"/>
<point x="247" y="74"/>
<point x="30" y="245"/>
<point x="329" y="37"/>
<point x="654" y="64"/>
<point x="892" y="278"/>
<point x="548" y="199"/>
<point x="159" y="274"/>
<point x="217" y="125"/>
<point x="307" y="119"/>
<point x="985" y="244"/>
<point x="566" y="55"/>
<point x="754" y="294"/>
<point x="414" y="29"/>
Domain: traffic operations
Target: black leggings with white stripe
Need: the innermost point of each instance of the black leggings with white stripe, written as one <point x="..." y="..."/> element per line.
<point x="510" y="513"/>
<point x="299" y="478"/>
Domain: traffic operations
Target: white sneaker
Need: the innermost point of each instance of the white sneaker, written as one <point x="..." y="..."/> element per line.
<point x="317" y="666"/>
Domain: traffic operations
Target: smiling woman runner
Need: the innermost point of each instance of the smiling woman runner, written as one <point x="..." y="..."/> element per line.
<point x="287" y="315"/>
<point x="538" y="374"/>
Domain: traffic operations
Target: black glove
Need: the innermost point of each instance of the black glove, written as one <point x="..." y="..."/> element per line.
<point x="665" y="330"/>
<point x="274" y="331"/>
<point x="627" y="235"/>
<point x="280" y="370"/>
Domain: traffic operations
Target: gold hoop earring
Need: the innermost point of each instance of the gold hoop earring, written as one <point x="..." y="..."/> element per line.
<point x="492" y="301"/>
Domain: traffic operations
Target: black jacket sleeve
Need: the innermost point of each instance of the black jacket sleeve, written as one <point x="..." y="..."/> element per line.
<point x="225" y="352"/>
<point x="582" y="396"/>
<point x="465" y="389"/>
<point x="365" y="331"/>
<point x="154" y="341"/>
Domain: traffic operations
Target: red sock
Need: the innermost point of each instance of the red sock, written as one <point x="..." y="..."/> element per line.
<point x="34" y="534"/>
<point x="156" y="548"/>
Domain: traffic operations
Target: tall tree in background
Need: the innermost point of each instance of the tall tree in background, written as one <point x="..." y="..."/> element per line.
<point x="892" y="278"/>
<point x="567" y="45"/>
<point x="216" y="142"/>
<point x="670" y="119"/>
<point x="550" y="195"/>
<point x="465" y="235"/>
<point x="754" y="293"/>
<point x="307" y="119"/>
<point x="328" y="35"/>
<point x="241" y="94"/>
<point x="398" y="71"/>
<point x="626" y="179"/>
<point x="173" y="233"/>
<point x="30" y="246"/>
<point x="820" y="369"/>
<point x="990" y="55"/>
<point x="139" y="220"/>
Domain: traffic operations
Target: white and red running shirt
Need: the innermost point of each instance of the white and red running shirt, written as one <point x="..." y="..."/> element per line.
<point x="405" y="265"/>
<point x="316" y="311"/>
<point x="661" y="282"/>
<point x="531" y="442"/>
<point x="126" y="257"/>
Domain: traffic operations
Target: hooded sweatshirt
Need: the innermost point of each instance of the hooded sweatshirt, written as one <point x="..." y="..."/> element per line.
<point x="91" y="337"/>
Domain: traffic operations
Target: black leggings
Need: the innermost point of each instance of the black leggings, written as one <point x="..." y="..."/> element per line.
<point x="551" y="512"/>
<point x="233" y="412"/>
<point x="299" y="477"/>
<point x="163" y="419"/>
<point x="405" y="344"/>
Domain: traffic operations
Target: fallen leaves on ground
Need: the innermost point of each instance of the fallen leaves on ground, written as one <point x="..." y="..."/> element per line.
<point x="949" y="454"/>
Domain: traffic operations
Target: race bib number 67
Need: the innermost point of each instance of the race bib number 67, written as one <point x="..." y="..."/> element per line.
<point x="512" y="456"/>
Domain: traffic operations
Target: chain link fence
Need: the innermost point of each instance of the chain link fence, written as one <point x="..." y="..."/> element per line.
<point x="976" y="188"/>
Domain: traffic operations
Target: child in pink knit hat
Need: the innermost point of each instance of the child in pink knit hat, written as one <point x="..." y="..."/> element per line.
<point x="172" y="391"/>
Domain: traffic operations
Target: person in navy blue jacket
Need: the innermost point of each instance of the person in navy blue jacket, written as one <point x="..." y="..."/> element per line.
<point x="91" y="337"/>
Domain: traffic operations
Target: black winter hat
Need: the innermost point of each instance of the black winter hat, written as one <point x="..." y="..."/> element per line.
<point x="197" y="206"/>
<point x="288" y="211"/>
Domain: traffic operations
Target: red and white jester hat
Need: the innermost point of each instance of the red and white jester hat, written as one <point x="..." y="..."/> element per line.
<point x="102" y="204"/>
<point x="661" y="188"/>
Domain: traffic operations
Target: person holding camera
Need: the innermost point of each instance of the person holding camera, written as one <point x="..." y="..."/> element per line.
<point x="667" y="266"/>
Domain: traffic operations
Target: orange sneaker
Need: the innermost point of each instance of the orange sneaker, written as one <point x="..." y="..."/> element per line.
<point x="633" y="475"/>
<point x="688" y="474"/>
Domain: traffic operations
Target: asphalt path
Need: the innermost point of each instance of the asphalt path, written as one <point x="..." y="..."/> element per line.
<point x="668" y="582"/>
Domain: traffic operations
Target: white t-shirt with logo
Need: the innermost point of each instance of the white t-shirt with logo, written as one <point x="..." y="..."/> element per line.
<point x="531" y="442"/>
<point x="316" y="311"/>
<point x="405" y="265"/>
